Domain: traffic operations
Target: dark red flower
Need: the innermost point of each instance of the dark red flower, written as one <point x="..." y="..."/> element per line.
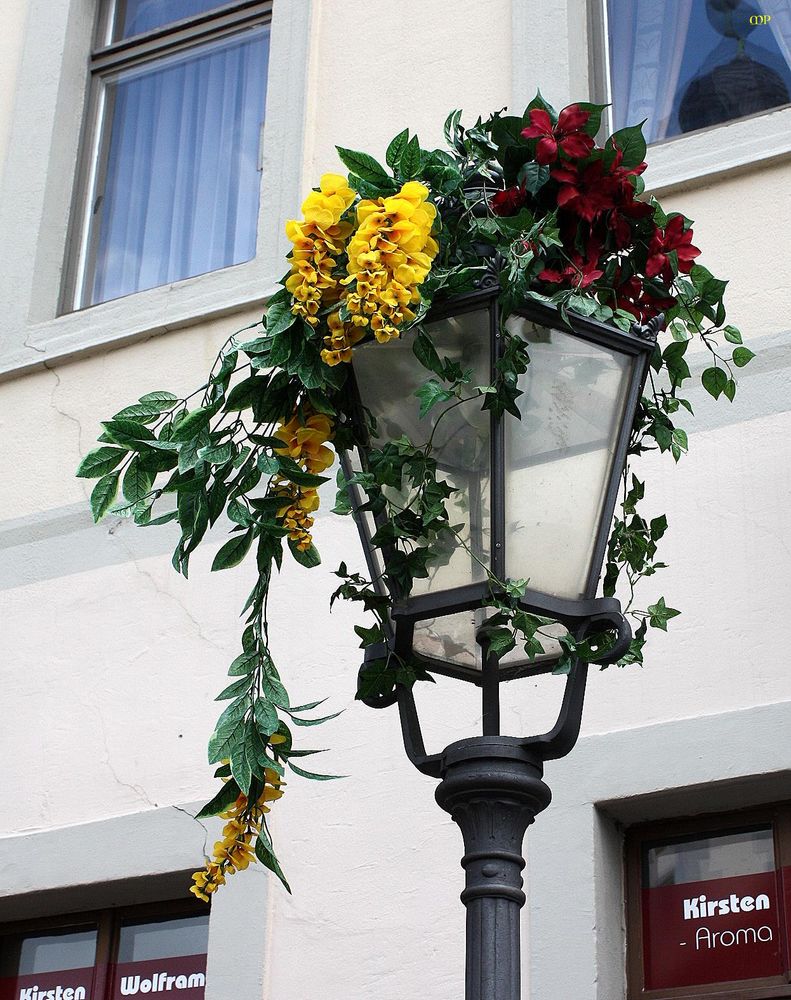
<point x="581" y="272"/>
<point x="634" y="298"/>
<point x="565" y="136"/>
<point x="509" y="201"/>
<point x="586" y="191"/>
<point x="621" y="218"/>
<point x="663" y="242"/>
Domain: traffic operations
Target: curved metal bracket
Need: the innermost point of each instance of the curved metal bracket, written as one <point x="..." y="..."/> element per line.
<point x="583" y="618"/>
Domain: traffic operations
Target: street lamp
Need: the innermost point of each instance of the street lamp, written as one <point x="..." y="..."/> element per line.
<point x="533" y="499"/>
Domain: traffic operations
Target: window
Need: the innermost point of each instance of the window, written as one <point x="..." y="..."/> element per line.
<point x="103" y="956"/>
<point x="171" y="176"/>
<point x="686" y="65"/>
<point x="708" y="907"/>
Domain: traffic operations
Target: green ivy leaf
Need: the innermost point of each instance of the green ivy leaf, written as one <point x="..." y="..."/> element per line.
<point x="226" y="797"/>
<point x="279" y="318"/>
<point x="409" y="161"/>
<point x="396" y="147"/>
<point x="660" y="614"/>
<point x="312" y="775"/>
<point x="431" y="393"/>
<point x="137" y="480"/>
<point x="233" y="552"/>
<point x="103" y="495"/>
<point x="714" y="381"/>
<point x="267" y="858"/>
<point x="309" y="558"/>
<point x="364" y="166"/>
<point x="99" y="462"/>
<point x="733" y="334"/>
<point x="631" y="142"/>
<point x="742" y="356"/>
<point x="216" y="454"/>
<point x="426" y="353"/>
<point x="190" y="425"/>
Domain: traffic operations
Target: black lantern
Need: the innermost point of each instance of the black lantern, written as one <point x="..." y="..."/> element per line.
<point x="534" y="498"/>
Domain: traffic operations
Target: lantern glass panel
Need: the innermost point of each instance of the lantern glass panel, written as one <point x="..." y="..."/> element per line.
<point x="558" y="457"/>
<point x="388" y="376"/>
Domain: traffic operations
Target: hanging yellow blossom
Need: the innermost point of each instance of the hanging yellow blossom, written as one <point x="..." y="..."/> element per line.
<point x="318" y="240"/>
<point x="303" y="438"/>
<point x="390" y="254"/>
<point x="342" y="337"/>
<point x="235" y="851"/>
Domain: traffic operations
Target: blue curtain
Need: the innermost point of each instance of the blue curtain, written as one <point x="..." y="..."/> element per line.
<point x="717" y="57"/>
<point x="136" y="16"/>
<point x="181" y="190"/>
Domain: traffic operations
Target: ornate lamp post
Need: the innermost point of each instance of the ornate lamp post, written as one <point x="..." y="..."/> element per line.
<point x="535" y="500"/>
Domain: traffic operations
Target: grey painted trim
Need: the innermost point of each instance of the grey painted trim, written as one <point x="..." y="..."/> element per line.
<point x="719" y="762"/>
<point x="36" y="193"/>
<point x="141" y="857"/>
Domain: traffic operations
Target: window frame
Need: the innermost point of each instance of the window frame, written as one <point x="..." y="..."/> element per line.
<point x="37" y="189"/>
<point x="108" y="923"/>
<point x="779" y="816"/>
<point x="705" y="153"/>
<point x="107" y="58"/>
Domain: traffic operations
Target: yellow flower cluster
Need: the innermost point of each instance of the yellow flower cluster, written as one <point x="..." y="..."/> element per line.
<point x="318" y="240"/>
<point x="390" y="254"/>
<point x="343" y="336"/>
<point x="303" y="440"/>
<point x="235" y="851"/>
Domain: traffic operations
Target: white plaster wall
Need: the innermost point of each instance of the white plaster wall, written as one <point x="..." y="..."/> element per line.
<point x="110" y="661"/>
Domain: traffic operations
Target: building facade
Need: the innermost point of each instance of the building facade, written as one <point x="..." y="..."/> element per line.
<point x="112" y="661"/>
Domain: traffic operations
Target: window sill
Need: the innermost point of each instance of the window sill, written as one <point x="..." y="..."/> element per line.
<point x="141" y="315"/>
<point x="710" y="153"/>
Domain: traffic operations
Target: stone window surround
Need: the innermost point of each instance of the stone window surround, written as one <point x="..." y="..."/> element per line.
<point x="36" y="194"/>
<point x="578" y="28"/>
<point x="575" y="850"/>
<point x="139" y="858"/>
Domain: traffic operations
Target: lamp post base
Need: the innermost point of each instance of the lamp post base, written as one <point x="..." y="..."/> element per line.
<point x="492" y="787"/>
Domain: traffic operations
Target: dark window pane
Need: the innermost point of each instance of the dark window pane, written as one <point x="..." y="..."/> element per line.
<point x="690" y="64"/>
<point x="142" y="942"/>
<point x="180" y="191"/>
<point x="27" y="954"/>
<point x="132" y="17"/>
<point x="746" y="852"/>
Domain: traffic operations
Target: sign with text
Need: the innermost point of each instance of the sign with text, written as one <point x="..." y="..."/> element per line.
<point x="714" y="931"/>
<point x="71" y="984"/>
<point x="183" y="977"/>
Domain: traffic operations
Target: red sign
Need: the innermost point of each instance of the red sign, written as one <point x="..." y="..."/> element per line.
<point x="713" y="932"/>
<point x="71" y="984"/>
<point x="184" y="978"/>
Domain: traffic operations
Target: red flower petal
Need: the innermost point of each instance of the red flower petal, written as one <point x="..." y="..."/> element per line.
<point x="540" y="119"/>
<point x="546" y="151"/>
<point x="589" y="277"/>
<point x="655" y="264"/>
<point x="566" y="194"/>
<point x="577" y="145"/>
<point x="555" y="277"/>
<point x="572" y="117"/>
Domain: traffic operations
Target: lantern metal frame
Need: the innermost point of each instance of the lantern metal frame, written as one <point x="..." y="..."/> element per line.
<point x="575" y="614"/>
<point x="492" y="785"/>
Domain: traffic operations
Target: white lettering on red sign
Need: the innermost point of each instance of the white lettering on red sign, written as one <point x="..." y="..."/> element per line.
<point x="700" y="907"/>
<point x="56" y="993"/>
<point x="160" y="982"/>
